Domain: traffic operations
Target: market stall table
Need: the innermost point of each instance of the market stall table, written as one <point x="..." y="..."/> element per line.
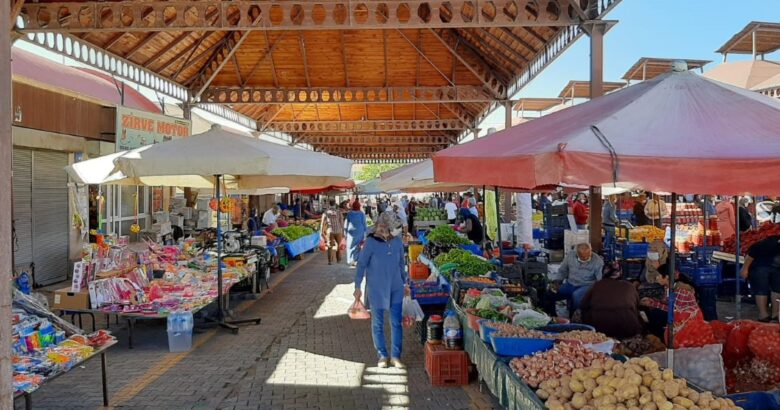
<point x="104" y="378"/>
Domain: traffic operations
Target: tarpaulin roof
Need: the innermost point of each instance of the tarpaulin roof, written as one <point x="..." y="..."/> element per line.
<point x="745" y="74"/>
<point x="83" y="82"/>
<point x="341" y="186"/>
<point x="679" y="132"/>
<point x="416" y="177"/>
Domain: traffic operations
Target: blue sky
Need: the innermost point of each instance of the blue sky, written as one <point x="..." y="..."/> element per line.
<point x="654" y="28"/>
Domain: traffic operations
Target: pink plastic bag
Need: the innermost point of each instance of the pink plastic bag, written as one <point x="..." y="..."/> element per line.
<point x="358" y="311"/>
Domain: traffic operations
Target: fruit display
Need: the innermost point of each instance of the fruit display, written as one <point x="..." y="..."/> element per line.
<point x="430" y="214"/>
<point x="545" y="368"/>
<point x="646" y="233"/>
<point x="637" y="383"/>
<point x="444" y="235"/>
<point x="292" y="233"/>
<point x="747" y="239"/>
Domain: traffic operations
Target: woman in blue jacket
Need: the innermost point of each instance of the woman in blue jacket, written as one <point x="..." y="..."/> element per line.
<point x="355" y="227"/>
<point x="382" y="264"/>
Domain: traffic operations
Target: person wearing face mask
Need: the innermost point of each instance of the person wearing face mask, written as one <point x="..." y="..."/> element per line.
<point x="580" y="270"/>
<point x="383" y="265"/>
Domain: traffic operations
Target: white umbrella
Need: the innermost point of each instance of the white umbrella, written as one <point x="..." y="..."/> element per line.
<point x="416" y="177"/>
<point x="249" y="162"/>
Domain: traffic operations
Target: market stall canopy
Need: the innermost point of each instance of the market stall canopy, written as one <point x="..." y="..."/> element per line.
<point x="345" y="185"/>
<point x="679" y="132"/>
<point x="647" y="68"/>
<point x="745" y="74"/>
<point x="249" y="162"/>
<point x="417" y="177"/>
<point x="370" y="187"/>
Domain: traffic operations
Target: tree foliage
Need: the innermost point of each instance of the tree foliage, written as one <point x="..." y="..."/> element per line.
<point x="371" y="171"/>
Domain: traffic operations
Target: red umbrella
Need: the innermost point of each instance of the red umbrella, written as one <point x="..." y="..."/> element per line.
<point x="679" y="132"/>
<point x="342" y="186"/>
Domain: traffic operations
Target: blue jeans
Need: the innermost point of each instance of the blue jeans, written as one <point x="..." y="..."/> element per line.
<point x="609" y="237"/>
<point x="573" y="293"/>
<point x="378" y="330"/>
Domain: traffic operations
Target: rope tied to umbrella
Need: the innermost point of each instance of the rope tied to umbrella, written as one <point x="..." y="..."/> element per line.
<point x="612" y="153"/>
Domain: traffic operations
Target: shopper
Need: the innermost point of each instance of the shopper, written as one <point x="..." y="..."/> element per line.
<point x="656" y="210"/>
<point x="640" y="218"/>
<point x="355" y="228"/>
<point x="762" y="270"/>
<point x="452" y="210"/>
<point x="369" y="207"/>
<point x="297" y="209"/>
<point x="657" y="255"/>
<point x="581" y="211"/>
<point x="411" y="212"/>
<point x="609" y="221"/>
<point x="332" y="231"/>
<point x="612" y="305"/>
<point x="580" y="270"/>
<point x="399" y="210"/>
<point x="472" y="227"/>
<point x="382" y="263"/>
<point x="727" y="224"/>
<point x="685" y="305"/>
<point x="745" y="220"/>
<point x="270" y="216"/>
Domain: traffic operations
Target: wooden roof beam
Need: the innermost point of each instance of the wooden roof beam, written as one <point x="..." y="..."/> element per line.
<point x="378" y="140"/>
<point x="342" y="127"/>
<point x="163" y="15"/>
<point x="344" y="95"/>
<point x="473" y="63"/>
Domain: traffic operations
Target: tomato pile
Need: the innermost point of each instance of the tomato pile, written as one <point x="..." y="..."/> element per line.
<point x="747" y="239"/>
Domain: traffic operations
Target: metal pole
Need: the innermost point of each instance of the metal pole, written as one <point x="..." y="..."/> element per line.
<point x="672" y="271"/>
<point x="498" y="228"/>
<point x="705" y="228"/>
<point x="754" y="44"/>
<point x="220" y="311"/>
<point x="6" y="149"/>
<point x="737" y="277"/>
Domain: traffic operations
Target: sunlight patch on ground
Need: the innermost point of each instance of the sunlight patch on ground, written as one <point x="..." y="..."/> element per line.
<point x="337" y="302"/>
<point x="300" y="368"/>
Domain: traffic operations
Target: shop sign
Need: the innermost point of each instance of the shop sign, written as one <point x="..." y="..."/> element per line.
<point x="136" y="128"/>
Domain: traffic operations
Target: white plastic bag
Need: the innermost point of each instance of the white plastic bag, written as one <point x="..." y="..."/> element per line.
<point x="702" y="366"/>
<point x="411" y="309"/>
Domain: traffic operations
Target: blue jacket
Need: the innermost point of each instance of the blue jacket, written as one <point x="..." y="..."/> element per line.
<point x="382" y="264"/>
<point x="356" y="224"/>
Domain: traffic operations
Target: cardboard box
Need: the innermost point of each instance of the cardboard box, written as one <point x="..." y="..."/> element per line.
<point x="177" y="220"/>
<point x="161" y="217"/>
<point x="65" y="299"/>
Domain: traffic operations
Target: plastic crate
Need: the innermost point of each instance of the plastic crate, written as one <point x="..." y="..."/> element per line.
<point x="473" y="248"/>
<point x="519" y="346"/>
<point x="706" y="275"/>
<point x="512" y="271"/>
<point x="758" y="400"/>
<point x="705" y="252"/>
<point x="485" y="330"/>
<point x="633" y="250"/>
<point x="431" y="294"/>
<point x="537" y="233"/>
<point x="534" y="267"/>
<point x="554" y="233"/>
<point x="554" y="244"/>
<point x="446" y="367"/>
<point x="422" y="238"/>
<point x="555" y="210"/>
<point x="560" y="221"/>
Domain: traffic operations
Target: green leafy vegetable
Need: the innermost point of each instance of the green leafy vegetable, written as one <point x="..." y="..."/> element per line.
<point x="445" y="235"/>
<point x="292" y="233"/>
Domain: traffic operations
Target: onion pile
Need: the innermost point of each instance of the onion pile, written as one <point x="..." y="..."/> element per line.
<point x="552" y="364"/>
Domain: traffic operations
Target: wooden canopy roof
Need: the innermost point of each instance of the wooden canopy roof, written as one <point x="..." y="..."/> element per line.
<point x="647" y="68"/>
<point x="581" y="89"/>
<point x="767" y="39"/>
<point x="368" y="81"/>
<point x="537" y="104"/>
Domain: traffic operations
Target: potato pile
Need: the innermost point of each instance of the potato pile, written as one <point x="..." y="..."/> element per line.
<point x="638" y="384"/>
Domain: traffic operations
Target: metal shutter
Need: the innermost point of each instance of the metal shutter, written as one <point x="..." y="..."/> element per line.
<point x="50" y="216"/>
<point x="22" y="215"/>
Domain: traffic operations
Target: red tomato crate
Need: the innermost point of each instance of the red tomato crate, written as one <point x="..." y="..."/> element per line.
<point x="446" y="367"/>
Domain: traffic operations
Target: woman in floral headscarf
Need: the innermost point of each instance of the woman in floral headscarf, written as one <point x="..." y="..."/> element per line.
<point x="383" y="265"/>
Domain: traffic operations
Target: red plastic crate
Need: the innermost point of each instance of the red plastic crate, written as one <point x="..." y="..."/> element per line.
<point x="446" y="367"/>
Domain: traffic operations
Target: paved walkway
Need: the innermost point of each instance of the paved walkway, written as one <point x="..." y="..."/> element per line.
<point x="306" y="354"/>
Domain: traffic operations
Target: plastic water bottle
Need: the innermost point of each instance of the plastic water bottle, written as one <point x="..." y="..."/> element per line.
<point x="453" y="334"/>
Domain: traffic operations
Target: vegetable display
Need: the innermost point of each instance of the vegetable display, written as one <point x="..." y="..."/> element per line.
<point x="467" y="263"/>
<point x="749" y="238"/>
<point x="640" y="345"/>
<point x="531" y="322"/>
<point x="647" y="233"/>
<point x="583" y="336"/>
<point x="430" y="214"/>
<point x="445" y="235"/>
<point x="544" y="368"/>
<point x="292" y="233"/>
<point x="636" y="384"/>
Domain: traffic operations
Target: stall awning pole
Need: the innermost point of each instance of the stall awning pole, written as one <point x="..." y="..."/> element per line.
<point x="672" y="272"/>
<point x="738" y="252"/>
<point x="498" y="228"/>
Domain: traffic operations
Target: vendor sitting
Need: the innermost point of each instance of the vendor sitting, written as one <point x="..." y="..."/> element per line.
<point x="580" y="270"/>
<point x="612" y="305"/>
<point x="270" y="216"/>
<point x="685" y="305"/>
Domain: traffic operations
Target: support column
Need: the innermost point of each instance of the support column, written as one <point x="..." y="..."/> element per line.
<point x="596" y="30"/>
<point x="186" y="109"/>
<point x="507" y="197"/>
<point x="6" y="149"/>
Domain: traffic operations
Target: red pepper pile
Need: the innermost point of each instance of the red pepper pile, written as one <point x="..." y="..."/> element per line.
<point x="747" y="239"/>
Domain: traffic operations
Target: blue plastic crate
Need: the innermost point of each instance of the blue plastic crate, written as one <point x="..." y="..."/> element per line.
<point x="554" y="233"/>
<point x="518" y="346"/>
<point x="538" y="234"/>
<point x="422" y="238"/>
<point x="633" y="270"/>
<point x="443" y="286"/>
<point x="485" y="330"/>
<point x="473" y="248"/>
<point x="757" y="400"/>
<point x="705" y="252"/>
<point x="556" y="222"/>
<point x="635" y="250"/>
<point x="706" y="275"/>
